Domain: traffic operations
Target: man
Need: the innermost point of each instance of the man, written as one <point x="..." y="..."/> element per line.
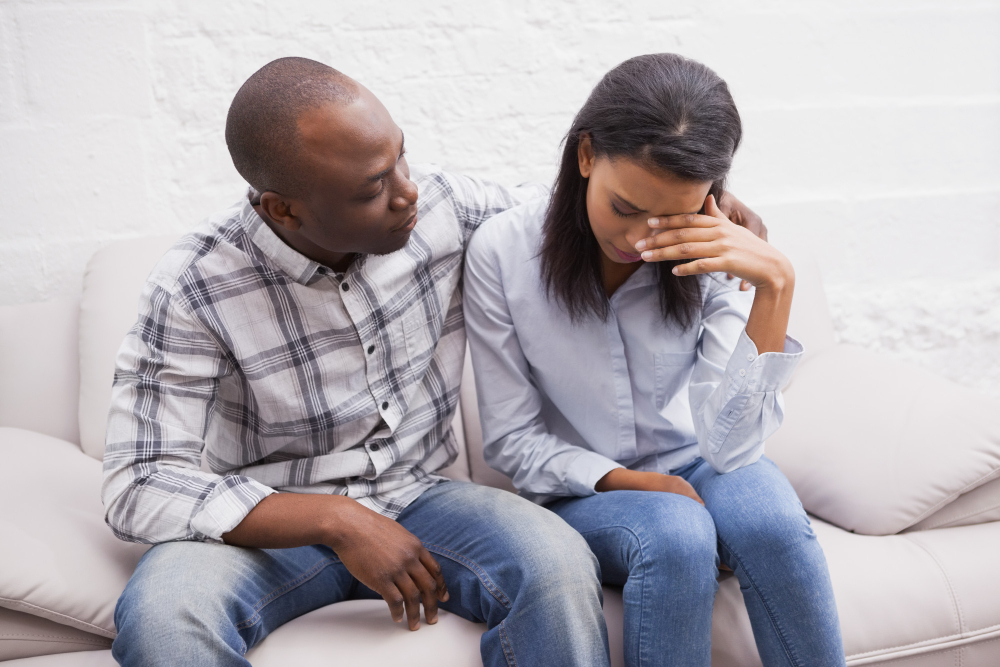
<point x="310" y="340"/>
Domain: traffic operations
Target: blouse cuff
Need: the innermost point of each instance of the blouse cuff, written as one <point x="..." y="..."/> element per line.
<point x="586" y="471"/>
<point x="750" y="372"/>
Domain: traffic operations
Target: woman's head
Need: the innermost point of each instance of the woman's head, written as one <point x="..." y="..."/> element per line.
<point x="655" y="137"/>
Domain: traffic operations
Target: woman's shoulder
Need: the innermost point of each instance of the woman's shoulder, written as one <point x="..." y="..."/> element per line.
<point x="511" y="235"/>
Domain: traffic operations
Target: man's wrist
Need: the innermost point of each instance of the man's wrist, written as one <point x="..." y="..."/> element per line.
<point x="335" y="521"/>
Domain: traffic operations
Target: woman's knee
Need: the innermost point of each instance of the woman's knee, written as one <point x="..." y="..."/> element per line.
<point x="677" y="530"/>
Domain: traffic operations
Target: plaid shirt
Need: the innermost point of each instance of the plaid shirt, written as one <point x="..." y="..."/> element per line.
<point x="289" y="376"/>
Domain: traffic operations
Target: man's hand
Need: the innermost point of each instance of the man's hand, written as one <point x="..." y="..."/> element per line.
<point x="378" y="551"/>
<point x="738" y="213"/>
<point x="623" y="479"/>
<point x="391" y="561"/>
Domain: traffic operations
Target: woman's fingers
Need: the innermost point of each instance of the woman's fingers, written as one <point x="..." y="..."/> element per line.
<point x="677" y="236"/>
<point x="705" y="265"/>
<point x="682" y="220"/>
<point x="682" y="251"/>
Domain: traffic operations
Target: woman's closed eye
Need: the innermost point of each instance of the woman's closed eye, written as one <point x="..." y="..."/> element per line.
<point x="620" y="213"/>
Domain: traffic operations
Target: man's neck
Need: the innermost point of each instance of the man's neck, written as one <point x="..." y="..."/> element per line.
<point x="338" y="261"/>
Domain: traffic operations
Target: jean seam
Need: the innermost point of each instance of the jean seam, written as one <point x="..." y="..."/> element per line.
<point x="767" y="606"/>
<point x="642" y="594"/>
<point x="508" y="650"/>
<point x="281" y="590"/>
<point x="480" y="573"/>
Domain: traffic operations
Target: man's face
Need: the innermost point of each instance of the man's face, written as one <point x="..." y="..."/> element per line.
<point x="361" y="198"/>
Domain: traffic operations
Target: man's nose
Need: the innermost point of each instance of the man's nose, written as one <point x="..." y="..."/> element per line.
<point x="405" y="196"/>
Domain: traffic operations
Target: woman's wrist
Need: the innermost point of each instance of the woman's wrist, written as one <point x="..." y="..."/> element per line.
<point x="781" y="280"/>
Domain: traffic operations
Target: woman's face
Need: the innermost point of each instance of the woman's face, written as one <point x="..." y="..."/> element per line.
<point x="622" y="195"/>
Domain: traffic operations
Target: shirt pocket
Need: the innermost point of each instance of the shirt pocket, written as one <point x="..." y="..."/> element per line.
<point x="672" y="372"/>
<point x="420" y="334"/>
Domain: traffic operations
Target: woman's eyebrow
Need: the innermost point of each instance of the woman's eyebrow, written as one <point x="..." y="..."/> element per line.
<point x="632" y="206"/>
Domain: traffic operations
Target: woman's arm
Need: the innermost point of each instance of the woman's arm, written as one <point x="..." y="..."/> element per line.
<point x="742" y="361"/>
<point x="516" y="440"/>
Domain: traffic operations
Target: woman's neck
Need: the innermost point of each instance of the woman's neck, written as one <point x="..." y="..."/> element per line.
<point x="615" y="274"/>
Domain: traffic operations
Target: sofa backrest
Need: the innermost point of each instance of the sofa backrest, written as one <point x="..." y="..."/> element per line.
<point x="39" y="355"/>
<point x="39" y="376"/>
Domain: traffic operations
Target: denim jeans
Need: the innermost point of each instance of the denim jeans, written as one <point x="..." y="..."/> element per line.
<point x="507" y="563"/>
<point x="664" y="550"/>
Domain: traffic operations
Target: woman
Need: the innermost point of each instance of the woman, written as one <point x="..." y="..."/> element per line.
<point x="631" y="390"/>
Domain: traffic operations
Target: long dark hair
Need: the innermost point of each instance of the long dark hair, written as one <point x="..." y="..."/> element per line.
<point x="666" y="111"/>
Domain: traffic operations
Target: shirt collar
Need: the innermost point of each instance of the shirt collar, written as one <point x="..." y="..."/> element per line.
<point x="299" y="268"/>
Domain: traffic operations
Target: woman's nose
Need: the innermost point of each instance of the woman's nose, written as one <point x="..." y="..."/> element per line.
<point x="636" y="233"/>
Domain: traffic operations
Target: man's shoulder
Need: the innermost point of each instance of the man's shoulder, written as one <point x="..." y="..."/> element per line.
<point x="514" y="232"/>
<point x="215" y="246"/>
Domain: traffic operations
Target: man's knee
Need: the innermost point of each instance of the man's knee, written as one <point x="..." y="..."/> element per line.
<point x="177" y="593"/>
<point x="554" y="560"/>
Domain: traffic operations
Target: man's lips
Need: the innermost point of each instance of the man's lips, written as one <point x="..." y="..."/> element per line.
<point x="627" y="257"/>
<point x="407" y="226"/>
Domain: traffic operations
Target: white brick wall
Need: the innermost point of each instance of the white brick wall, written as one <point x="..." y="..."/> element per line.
<point x="872" y="127"/>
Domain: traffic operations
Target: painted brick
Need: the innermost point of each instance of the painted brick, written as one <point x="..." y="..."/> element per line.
<point x="872" y="127"/>
<point x="84" y="62"/>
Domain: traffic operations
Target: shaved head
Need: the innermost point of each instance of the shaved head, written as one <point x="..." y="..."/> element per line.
<point x="262" y="129"/>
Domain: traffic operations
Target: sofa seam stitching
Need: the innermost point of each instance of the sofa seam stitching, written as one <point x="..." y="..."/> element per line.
<point x="926" y="643"/>
<point x="98" y="629"/>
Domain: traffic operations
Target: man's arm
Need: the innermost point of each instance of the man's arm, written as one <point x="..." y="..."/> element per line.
<point x="378" y="551"/>
<point x="166" y="377"/>
<point x="154" y="491"/>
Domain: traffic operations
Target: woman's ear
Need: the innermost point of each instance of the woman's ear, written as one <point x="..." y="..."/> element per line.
<point x="279" y="211"/>
<point x="585" y="155"/>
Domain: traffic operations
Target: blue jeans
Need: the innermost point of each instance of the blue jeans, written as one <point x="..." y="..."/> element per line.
<point x="507" y="563"/>
<point x="664" y="550"/>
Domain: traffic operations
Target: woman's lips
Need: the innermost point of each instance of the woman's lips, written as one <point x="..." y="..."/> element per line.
<point x="627" y="257"/>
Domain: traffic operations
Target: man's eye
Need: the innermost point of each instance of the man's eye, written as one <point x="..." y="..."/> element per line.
<point x="377" y="194"/>
<point x="618" y="212"/>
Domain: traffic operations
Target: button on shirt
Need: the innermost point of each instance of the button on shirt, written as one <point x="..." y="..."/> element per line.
<point x="563" y="403"/>
<point x="289" y="376"/>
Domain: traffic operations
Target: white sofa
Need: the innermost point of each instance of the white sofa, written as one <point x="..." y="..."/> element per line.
<point x="878" y="448"/>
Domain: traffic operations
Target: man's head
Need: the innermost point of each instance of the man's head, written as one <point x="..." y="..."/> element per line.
<point x="326" y="159"/>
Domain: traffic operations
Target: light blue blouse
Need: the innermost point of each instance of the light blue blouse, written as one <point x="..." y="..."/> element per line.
<point x="563" y="403"/>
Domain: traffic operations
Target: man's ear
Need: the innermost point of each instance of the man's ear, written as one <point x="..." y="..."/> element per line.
<point x="279" y="210"/>
<point x="585" y="155"/>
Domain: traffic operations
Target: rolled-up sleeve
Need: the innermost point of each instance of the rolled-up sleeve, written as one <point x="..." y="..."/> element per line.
<point x="166" y="377"/>
<point x="735" y="392"/>
<point x="516" y="440"/>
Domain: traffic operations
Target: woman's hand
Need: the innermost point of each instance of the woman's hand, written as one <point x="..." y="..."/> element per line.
<point x="713" y="243"/>
<point x="740" y="213"/>
<point x="716" y="245"/>
<point x="623" y="479"/>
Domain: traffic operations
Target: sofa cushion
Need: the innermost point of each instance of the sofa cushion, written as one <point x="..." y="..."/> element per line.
<point x="39" y="367"/>
<point x="927" y="598"/>
<point x="112" y="283"/>
<point x="25" y="635"/>
<point x="980" y="505"/>
<point x="58" y="559"/>
<point x="875" y="446"/>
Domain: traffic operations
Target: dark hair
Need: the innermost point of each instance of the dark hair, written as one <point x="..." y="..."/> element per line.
<point x="670" y="113"/>
<point x="262" y="124"/>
